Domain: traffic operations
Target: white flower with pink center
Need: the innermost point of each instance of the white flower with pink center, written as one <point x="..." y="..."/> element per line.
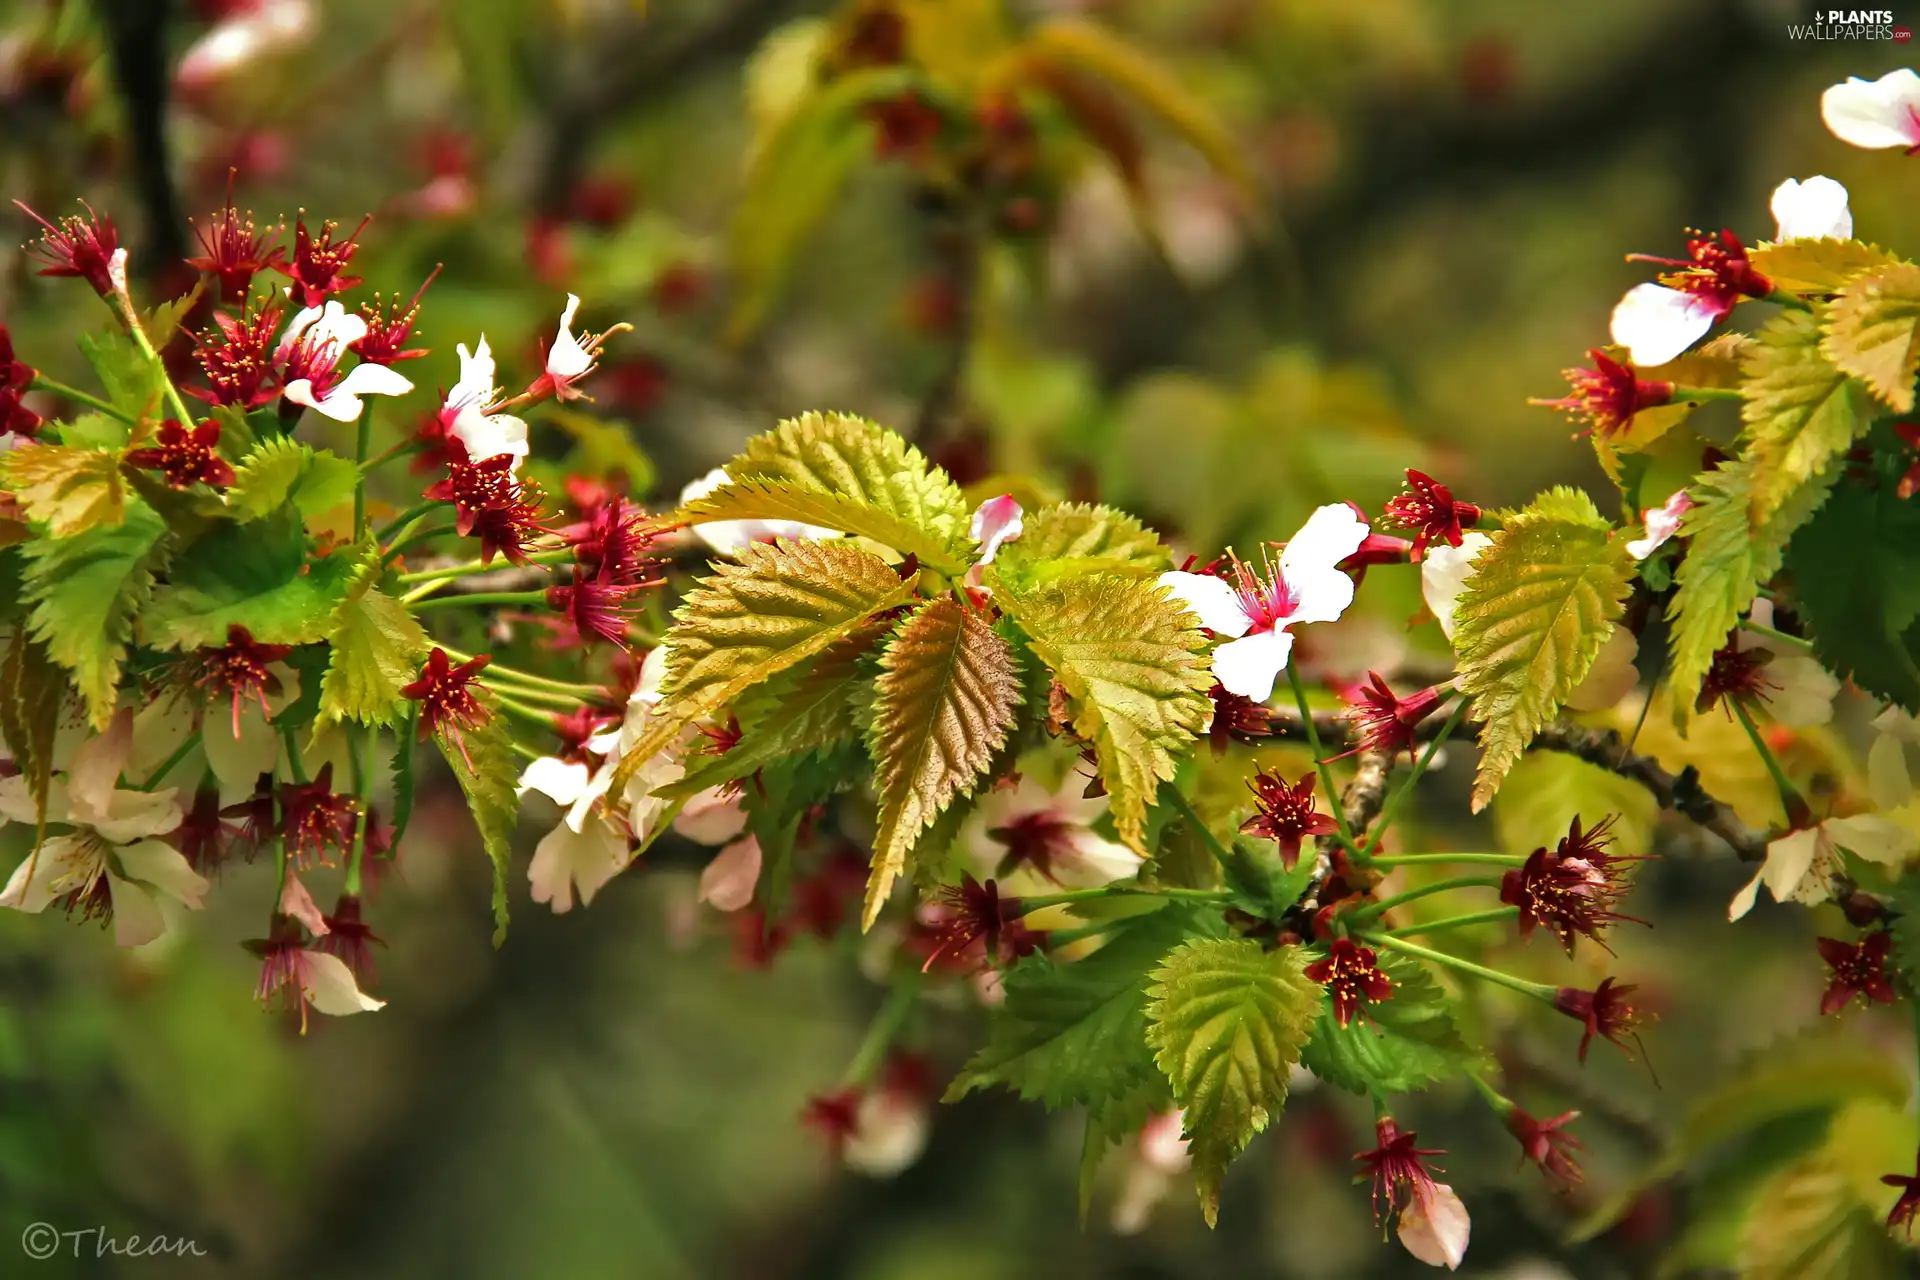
<point x="1259" y="608"/>
<point x="309" y="356"/>
<point x="1662" y="523"/>
<point x="996" y="521"/>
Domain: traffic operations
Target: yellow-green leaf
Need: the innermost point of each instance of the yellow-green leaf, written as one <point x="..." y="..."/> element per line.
<point x="282" y="468"/>
<point x="945" y="700"/>
<point x="1131" y="663"/>
<point x="1817" y="266"/>
<point x="32" y="689"/>
<point x="86" y="591"/>
<point x="376" y="648"/>
<point x="1541" y="601"/>
<point x="1802" y="412"/>
<point x="1873" y="332"/>
<point x="778" y="606"/>
<point x="1071" y="538"/>
<point x="1227" y="1020"/>
<point x="487" y="769"/>
<point x="67" y="489"/>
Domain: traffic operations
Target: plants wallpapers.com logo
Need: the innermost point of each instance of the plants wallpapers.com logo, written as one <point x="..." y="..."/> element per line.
<point x="1851" y="24"/>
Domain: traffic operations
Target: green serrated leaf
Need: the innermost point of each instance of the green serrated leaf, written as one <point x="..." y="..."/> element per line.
<point x="1856" y="573"/>
<point x="86" y="592"/>
<point x="945" y="701"/>
<point x="1404" y="1043"/>
<point x="1817" y="266"/>
<point x="254" y="575"/>
<point x="1873" y="332"/>
<point x="777" y="607"/>
<point x="1810" y="1223"/>
<point x="1539" y="604"/>
<point x="1227" y="1021"/>
<point x="96" y="431"/>
<point x="69" y="490"/>
<point x="844" y="472"/>
<point x="403" y="773"/>
<point x="1802" y="412"/>
<point x="1130" y="661"/>
<point x="1074" y="1034"/>
<point x="132" y="382"/>
<point x="1069" y="539"/>
<point x="281" y="469"/>
<point x="485" y="766"/>
<point x="377" y="648"/>
<point x="1726" y="564"/>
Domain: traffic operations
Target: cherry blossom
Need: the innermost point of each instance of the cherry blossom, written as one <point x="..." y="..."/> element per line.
<point x="570" y="359"/>
<point x="1812" y="210"/>
<point x="1046" y="833"/>
<point x="110" y="863"/>
<point x="251" y="31"/>
<point x="997" y="520"/>
<point x="727" y="883"/>
<point x="305" y="978"/>
<point x="1657" y="322"/>
<point x="1801" y="864"/>
<point x="467" y="415"/>
<point x="310" y="352"/>
<point x="1662" y="523"/>
<point x="1875" y="113"/>
<point x="1258" y="609"/>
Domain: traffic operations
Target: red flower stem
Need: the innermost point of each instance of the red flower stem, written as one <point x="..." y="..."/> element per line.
<point x="1706" y="393"/>
<point x="477" y="599"/>
<point x="363" y="441"/>
<point x="1319" y="761"/>
<point x="1437" y="859"/>
<point x="1398" y="799"/>
<point x="1457" y="922"/>
<point x="1424" y="891"/>
<point x="1790" y="800"/>
<point x="1538" y="990"/>
<point x="883" y="1030"/>
<point x="41" y="382"/>
<point x="166" y="766"/>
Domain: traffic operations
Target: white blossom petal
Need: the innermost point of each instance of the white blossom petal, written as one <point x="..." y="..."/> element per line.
<point x="330" y="988"/>
<point x="297" y="903"/>
<point x="1434" y="1227"/>
<point x="1874" y="113"/>
<point x="1749" y="894"/>
<point x="1873" y="837"/>
<point x="1444" y="574"/>
<point x="1095" y="861"/>
<point x="889" y="1133"/>
<point x="153" y="863"/>
<point x="565" y="858"/>
<point x="1812" y="210"/>
<point x="1656" y="324"/>
<point x="567" y="358"/>
<point x="1789" y="859"/>
<point x="488" y="435"/>
<point x="63" y="864"/>
<point x="560" y="781"/>
<point x="342" y="403"/>
<point x="136" y="916"/>
<point x="1803" y="691"/>
<point x="252" y="32"/>
<point x="1888" y="781"/>
<point x="711" y="817"/>
<point x="1330" y="535"/>
<point x="1662" y="523"/>
<point x="1249" y="666"/>
<point x="997" y="520"/>
<point x="727" y="883"/>
<point x="1320" y="594"/>
<point x="653" y="674"/>
<point x="1209" y="599"/>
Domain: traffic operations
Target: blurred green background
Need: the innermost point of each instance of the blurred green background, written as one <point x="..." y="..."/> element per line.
<point x="1448" y="190"/>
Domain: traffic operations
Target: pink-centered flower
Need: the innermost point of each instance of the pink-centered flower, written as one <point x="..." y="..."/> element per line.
<point x="1875" y="114"/>
<point x="239" y="671"/>
<point x="348" y="936"/>
<point x="303" y="978"/>
<point x="1571" y="889"/>
<point x="1815" y="209"/>
<point x="467" y="414"/>
<point x="1662" y="523"/>
<point x="1428" y="509"/>
<point x="598" y="605"/>
<point x="1257" y="610"/>
<point x="1656" y="322"/>
<point x="995" y="521"/>
<point x="1387" y="722"/>
<point x="1607" y="396"/>
<point x="570" y="359"/>
<point x="315" y="821"/>
<point x="445" y="695"/>
<point x="730" y="537"/>
<point x="309" y="357"/>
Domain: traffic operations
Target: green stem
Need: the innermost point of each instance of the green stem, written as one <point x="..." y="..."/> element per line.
<point x="166" y="766"/>
<point x="406" y="518"/>
<point x="410" y="535"/>
<point x="471" y="567"/>
<point x="1796" y="808"/>
<point x="1778" y="637"/>
<point x="1440" y="859"/>
<point x="295" y="765"/>
<point x="1070" y="896"/>
<point x="1538" y="990"/>
<point x="41" y="382"/>
<point x="1501" y="1104"/>
<point x="475" y="599"/>
<point x="1457" y="922"/>
<point x="360" y="757"/>
<point x="515" y="675"/>
<point x="1319" y="763"/>
<point x="1186" y="811"/>
<point x="1425" y="891"/>
<point x="140" y="339"/>
<point x="521" y="711"/>
<point x="881" y="1032"/>
<point x="363" y="440"/>
<point x="1780" y="297"/>
<point x="1391" y="810"/>
<point x="1705" y="393"/>
<point x="1066" y="937"/>
<point x="406" y="445"/>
